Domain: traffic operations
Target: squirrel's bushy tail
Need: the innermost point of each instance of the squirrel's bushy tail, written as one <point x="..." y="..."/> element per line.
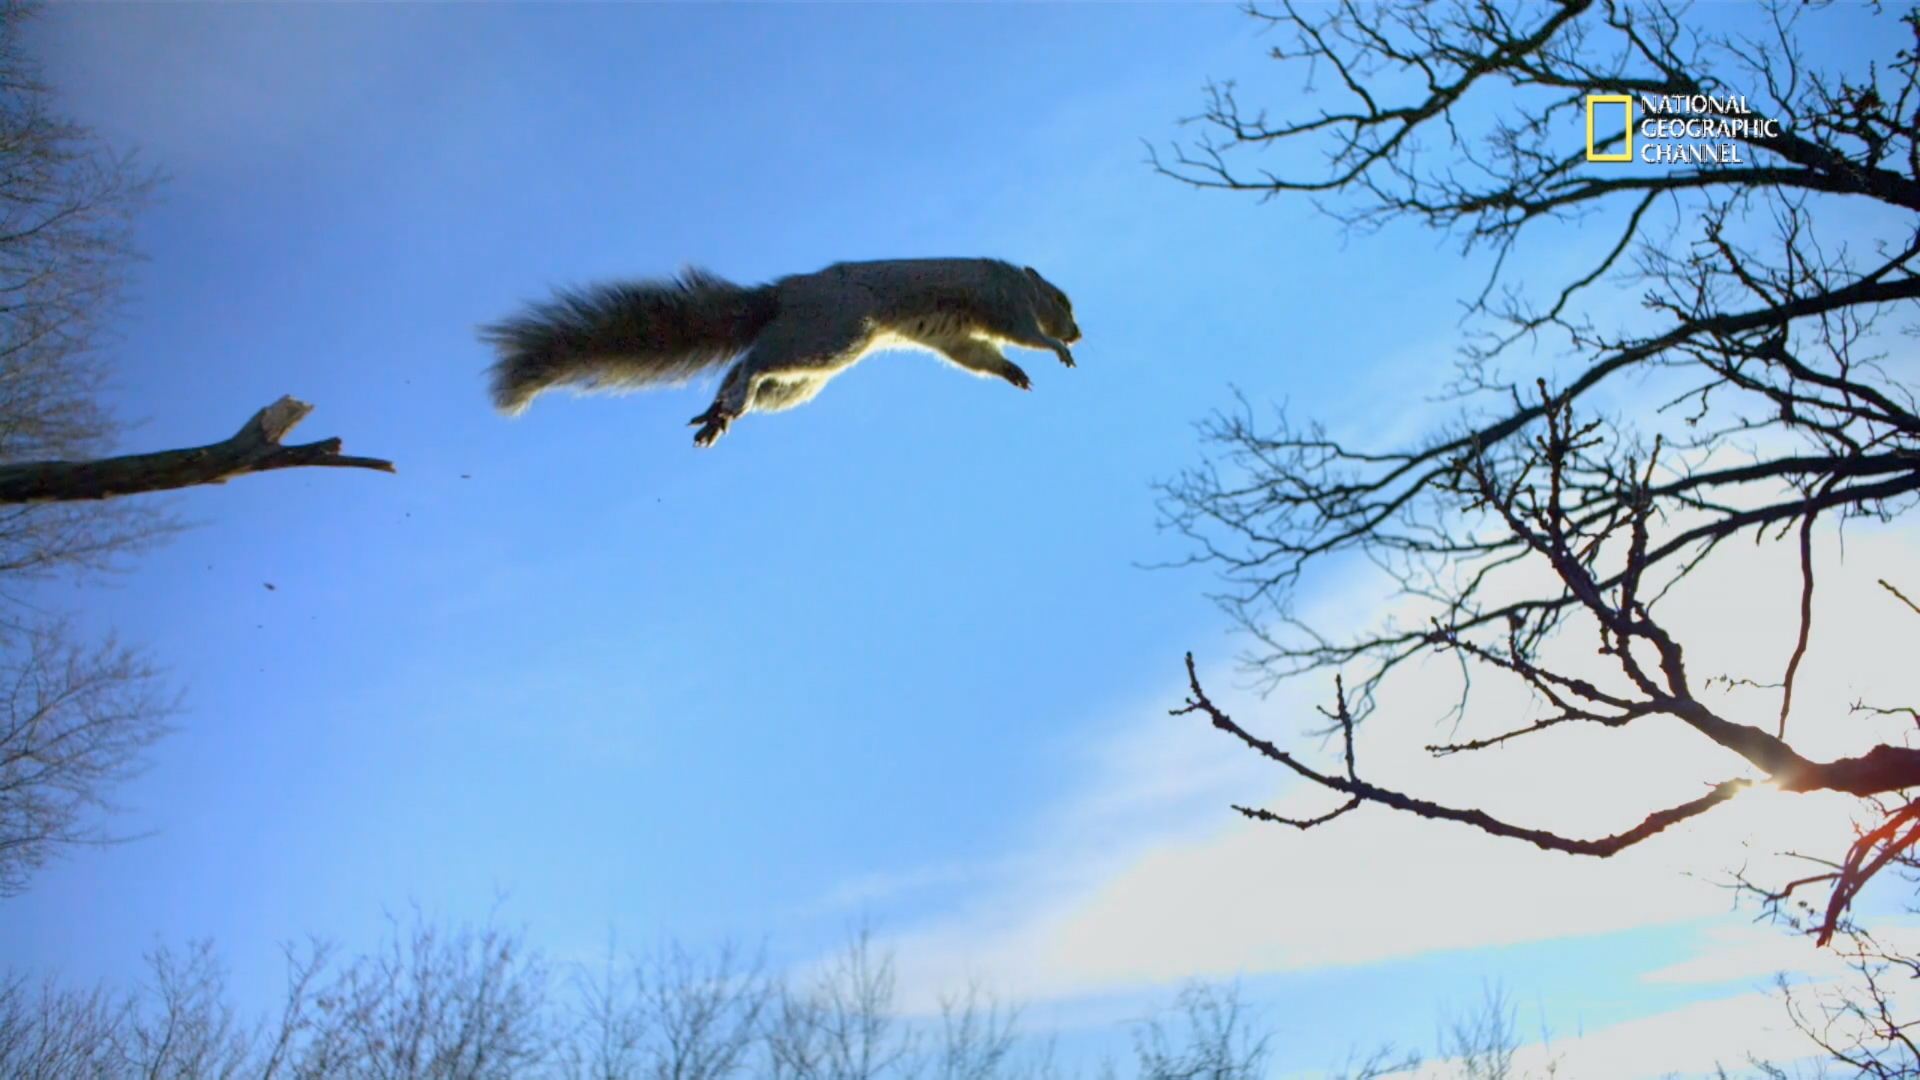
<point x="639" y="333"/>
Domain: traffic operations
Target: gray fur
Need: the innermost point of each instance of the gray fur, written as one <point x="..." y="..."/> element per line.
<point x="796" y="334"/>
<point x="627" y="334"/>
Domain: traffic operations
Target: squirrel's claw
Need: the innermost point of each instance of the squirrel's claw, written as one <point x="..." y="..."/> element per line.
<point x="1018" y="377"/>
<point x="712" y="424"/>
<point x="715" y="426"/>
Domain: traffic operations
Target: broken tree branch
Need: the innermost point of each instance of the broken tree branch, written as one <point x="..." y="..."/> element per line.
<point x="254" y="448"/>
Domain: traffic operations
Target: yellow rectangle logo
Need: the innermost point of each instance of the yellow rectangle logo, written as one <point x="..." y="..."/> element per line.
<point x="1625" y="100"/>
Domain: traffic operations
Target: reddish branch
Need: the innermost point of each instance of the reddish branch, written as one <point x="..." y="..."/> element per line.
<point x="1868" y="856"/>
<point x="256" y="447"/>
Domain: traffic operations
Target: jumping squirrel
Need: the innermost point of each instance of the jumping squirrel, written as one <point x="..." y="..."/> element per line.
<point x="791" y="336"/>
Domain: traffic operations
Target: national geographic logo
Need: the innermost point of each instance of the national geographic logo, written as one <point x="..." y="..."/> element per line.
<point x="1675" y="129"/>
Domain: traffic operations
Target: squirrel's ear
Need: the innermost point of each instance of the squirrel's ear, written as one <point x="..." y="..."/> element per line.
<point x="1032" y="273"/>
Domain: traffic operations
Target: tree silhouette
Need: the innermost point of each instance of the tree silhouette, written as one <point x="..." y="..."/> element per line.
<point x="1784" y="408"/>
<point x="76" y="718"/>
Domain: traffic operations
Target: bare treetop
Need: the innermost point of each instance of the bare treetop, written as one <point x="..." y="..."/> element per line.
<point x="1772" y="399"/>
<point x="76" y="721"/>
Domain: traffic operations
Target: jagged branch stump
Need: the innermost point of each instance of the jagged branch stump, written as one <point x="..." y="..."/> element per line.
<point x="254" y="448"/>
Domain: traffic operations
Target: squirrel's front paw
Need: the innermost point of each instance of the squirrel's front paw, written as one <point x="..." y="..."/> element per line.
<point x="1017" y="377"/>
<point x="1066" y="357"/>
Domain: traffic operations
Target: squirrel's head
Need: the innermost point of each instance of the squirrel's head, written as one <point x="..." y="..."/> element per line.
<point x="1055" y="311"/>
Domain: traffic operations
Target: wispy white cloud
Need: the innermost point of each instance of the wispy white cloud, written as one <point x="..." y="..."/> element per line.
<point x="1143" y="877"/>
<point x="1749" y="953"/>
<point x="1691" y="1041"/>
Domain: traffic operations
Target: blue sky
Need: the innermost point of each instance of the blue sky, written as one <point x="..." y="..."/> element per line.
<point x="891" y="655"/>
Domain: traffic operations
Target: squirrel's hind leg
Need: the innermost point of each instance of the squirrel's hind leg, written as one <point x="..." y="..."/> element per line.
<point x="793" y="359"/>
<point x="727" y="406"/>
<point x="776" y="393"/>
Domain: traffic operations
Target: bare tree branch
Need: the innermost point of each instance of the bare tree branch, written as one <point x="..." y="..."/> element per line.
<point x="1779" y="411"/>
<point x="73" y="723"/>
<point x="80" y="718"/>
<point x="254" y="448"/>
